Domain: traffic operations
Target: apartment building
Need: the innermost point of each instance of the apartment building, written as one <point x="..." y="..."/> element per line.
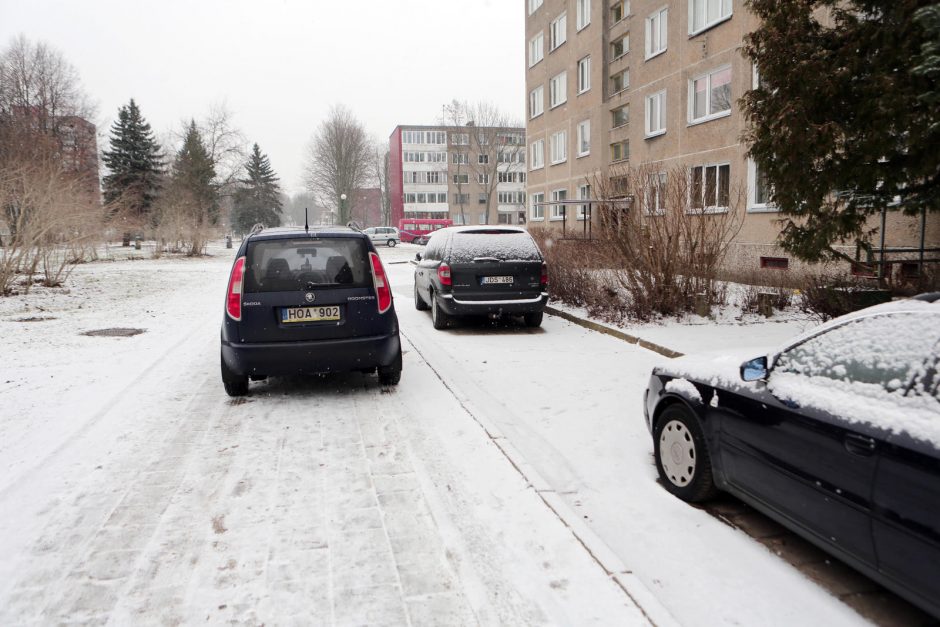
<point x="652" y="83"/>
<point x="468" y="174"/>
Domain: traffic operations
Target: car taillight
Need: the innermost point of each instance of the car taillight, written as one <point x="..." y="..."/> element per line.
<point x="233" y="305"/>
<point x="443" y="273"/>
<point x="382" y="289"/>
<point x="543" y="282"/>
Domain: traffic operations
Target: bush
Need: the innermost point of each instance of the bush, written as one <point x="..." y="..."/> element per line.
<point x="829" y="296"/>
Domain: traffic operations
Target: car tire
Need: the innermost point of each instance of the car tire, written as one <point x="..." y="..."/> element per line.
<point x="420" y="305"/>
<point x="390" y="375"/>
<point x="681" y="454"/>
<point x="533" y="319"/>
<point x="390" y="243"/>
<point x="235" y="385"/>
<point x="439" y="319"/>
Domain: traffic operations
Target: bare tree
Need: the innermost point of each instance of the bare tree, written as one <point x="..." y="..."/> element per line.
<point x="339" y="160"/>
<point x="381" y="173"/>
<point x="494" y="145"/>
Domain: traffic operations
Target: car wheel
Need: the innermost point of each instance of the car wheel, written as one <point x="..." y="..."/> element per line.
<point x="235" y="385"/>
<point x="390" y="243"/>
<point x="438" y="318"/>
<point x="390" y="375"/>
<point x="420" y="305"/>
<point x="681" y="455"/>
<point x="533" y="319"/>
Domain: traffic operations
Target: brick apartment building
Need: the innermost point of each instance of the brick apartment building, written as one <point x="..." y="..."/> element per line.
<point x="469" y="174"/>
<point x="652" y="83"/>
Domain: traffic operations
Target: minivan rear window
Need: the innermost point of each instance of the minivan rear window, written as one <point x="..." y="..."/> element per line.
<point x="502" y="245"/>
<point x="282" y="265"/>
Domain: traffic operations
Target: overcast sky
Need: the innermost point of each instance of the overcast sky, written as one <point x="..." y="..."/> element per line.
<point x="279" y="65"/>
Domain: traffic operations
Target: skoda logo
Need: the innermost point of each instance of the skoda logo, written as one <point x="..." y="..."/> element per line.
<point x="309" y="296"/>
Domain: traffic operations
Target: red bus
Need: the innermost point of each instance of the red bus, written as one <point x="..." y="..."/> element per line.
<point x="418" y="230"/>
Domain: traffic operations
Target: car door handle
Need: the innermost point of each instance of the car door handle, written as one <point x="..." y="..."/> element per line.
<point x="859" y="444"/>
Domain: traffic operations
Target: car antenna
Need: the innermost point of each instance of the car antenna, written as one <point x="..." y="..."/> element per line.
<point x="306" y="226"/>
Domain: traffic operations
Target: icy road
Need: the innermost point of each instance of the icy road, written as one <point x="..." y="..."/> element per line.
<point x="507" y="480"/>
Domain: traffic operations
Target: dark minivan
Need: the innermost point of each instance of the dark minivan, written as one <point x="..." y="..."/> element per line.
<point x="481" y="271"/>
<point x="308" y="302"/>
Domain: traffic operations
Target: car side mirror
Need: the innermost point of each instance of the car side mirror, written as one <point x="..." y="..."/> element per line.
<point x="417" y="256"/>
<point x="754" y="370"/>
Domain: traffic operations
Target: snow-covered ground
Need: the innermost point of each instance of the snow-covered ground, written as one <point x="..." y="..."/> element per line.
<point x="507" y="479"/>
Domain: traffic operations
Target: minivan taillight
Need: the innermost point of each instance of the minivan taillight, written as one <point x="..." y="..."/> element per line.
<point x="443" y="273"/>
<point x="233" y="306"/>
<point x="383" y="290"/>
<point x="543" y="282"/>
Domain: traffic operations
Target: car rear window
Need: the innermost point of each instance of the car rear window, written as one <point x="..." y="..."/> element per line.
<point x="502" y="245"/>
<point x="283" y="265"/>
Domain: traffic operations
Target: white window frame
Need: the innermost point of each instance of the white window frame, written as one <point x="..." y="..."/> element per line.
<point x="625" y="48"/>
<point x="717" y="18"/>
<point x="584" y="136"/>
<point x="483" y="179"/>
<point x="536" y="213"/>
<point x="462" y="178"/>
<point x="534" y="6"/>
<point x="653" y="202"/>
<point x="537" y="102"/>
<point x="558" y="32"/>
<point x="558" y="151"/>
<point x="584" y="74"/>
<point x="657" y="33"/>
<point x="752" y="205"/>
<point x="558" y="211"/>
<point x="483" y="159"/>
<point x="558" y="88"/>
<point x="625" y="80"/>
<point x="625" y="107"/>
<point x="461" y="158"/>
<point x="648" y="129"/>
<point x="707" y="76"/>
<point x="537" y="48"/>
<point x="716" y="208"/>
<point x="583" y="11"/>
<point x="584" y="193"/>
<point x="537" y="155"/>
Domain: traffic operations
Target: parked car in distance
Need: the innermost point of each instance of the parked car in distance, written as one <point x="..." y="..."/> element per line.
<point x="308" y="302"/>
<point x="419" y="230"/>
<point x="836" y="436"/>
<point x="481" y="271"/>
<point x="387" y="235"/>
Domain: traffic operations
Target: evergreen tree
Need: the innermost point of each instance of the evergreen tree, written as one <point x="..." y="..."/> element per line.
<point x="134" y="162"/>
<point x="194" y="177"/>
<point x="844" y="123"/>
<point x="258" y="200"/>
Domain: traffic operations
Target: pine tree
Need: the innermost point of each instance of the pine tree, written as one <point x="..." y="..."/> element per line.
<point x="194" y="175"/>
<point x="845" y="123"/>
<point x="134" y="162"/>
<point x="258" y="200"/>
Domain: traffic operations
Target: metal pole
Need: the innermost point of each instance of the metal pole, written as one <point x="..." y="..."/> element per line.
<point x="923" y="235"/>
<point x="881" y="263"/>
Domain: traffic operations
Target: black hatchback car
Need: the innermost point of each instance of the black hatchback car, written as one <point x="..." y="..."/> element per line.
<point x="836" y="436"/>
<point x="308" y="302"/>
<point x="481" y="271"/>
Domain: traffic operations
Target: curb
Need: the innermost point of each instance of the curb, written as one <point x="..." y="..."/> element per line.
<point x="620" y="335"/>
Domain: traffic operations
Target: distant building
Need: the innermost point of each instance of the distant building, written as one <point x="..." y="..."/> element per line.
<point x="469" y="174"/>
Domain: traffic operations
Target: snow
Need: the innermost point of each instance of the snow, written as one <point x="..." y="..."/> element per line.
<point x="510" y="246"/>
<point x="685" y="388"/>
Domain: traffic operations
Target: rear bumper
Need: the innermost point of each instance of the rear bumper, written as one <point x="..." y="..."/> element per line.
<point x="317" y="357"/>
<point x="456" y="307"/>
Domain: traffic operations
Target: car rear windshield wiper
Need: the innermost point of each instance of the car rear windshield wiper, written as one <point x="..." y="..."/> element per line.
<point x="485" y="259"/>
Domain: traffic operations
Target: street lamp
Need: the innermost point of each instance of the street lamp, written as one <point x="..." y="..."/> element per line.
<point x="342" y="204"/>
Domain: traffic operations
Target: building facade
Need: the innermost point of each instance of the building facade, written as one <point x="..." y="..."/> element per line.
<point x="468" y="174"/>
<point x="652" y="84"/>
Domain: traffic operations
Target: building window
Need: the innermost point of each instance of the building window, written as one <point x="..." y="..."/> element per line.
<point x="483" y="179"/>
<point x="584" y="193"/>
<point x="583" y="13"/>
<point x="656" y="114"/>
<point x="710" y="95"/>
<point x="620" y="47"/>
<point x="620" y="116"/>
<point x="483" y="159"/>
<point x="461" y="178"/>
<point x="458" y="219"/>
<point x="558" y="208"/>
<point x="534" y="5"/>
<point x="654" y="198"/>
<point x="461" y="199"/>
<point x="656" y="33"/>
<point x="536" y="49"/>
<point x="706" y="13"/>
<point x="558" y="90"/>
<point x="759" y="189"/>
<point x="481" y="198"/>
<point x="558" y="31"/>
<point x="537" y="159"/>
<point x="618" y="11"/>
<point x="559" y="147"/>
<point x="709" y="187"/>
<point x="619" y="81"/>
<point x="620" y="151"/>
<point x="461" y="158"/>
<point x="537" y="211"/>
<point x="775" y="263"/>
<point x="482" y="218"/>
<point x="536" y="101"/>
<point x="584" y="75"/>
<point x="584" y="138"/>
<point x="460" y="139"/>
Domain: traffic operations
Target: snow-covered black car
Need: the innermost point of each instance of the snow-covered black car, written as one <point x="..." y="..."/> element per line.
<point x="481" y="271"/>
<point x="308" y="302"/>
<point x="836" y="436"/>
